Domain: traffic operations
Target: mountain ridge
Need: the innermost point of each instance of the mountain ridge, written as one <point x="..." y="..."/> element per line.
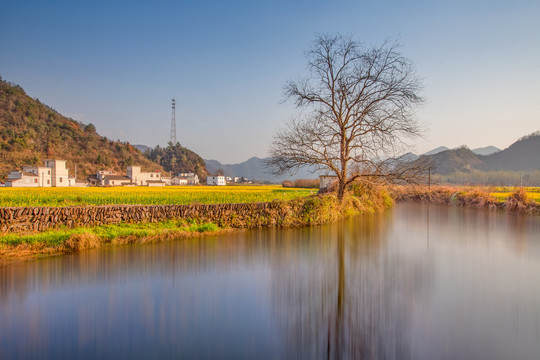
<point x="255" y="169"/>
<point x="446" y="162"/>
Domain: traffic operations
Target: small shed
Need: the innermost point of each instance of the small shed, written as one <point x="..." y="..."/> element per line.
<point x="326" y="182"/>
<point x="116" y="180"/>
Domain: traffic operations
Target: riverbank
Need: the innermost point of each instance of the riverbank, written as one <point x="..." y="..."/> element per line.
<point x="35" y="232"/>
<point x="518" y="200"/>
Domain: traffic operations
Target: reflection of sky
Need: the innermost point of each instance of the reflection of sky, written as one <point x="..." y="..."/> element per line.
<point x="464" y="287"/>
<point x="117" y="64"/>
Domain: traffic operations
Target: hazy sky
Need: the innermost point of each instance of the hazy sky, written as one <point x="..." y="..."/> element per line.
<point x="117" y="65"/>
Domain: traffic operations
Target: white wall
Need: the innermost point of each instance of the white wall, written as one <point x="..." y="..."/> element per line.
<point x="216" y="180"/>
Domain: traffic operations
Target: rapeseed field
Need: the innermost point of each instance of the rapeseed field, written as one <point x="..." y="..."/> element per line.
<point x="502" y="193"/>
<point x="147" y="195"/>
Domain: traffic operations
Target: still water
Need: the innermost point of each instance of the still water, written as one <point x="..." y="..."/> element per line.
<point x="419" y="282"/>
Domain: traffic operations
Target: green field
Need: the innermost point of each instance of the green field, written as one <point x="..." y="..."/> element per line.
<point x="147" y="195"/>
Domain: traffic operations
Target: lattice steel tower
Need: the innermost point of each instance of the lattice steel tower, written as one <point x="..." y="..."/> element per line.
<point x="173" y="122"/>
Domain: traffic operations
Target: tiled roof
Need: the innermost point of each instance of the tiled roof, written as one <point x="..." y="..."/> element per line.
<point x="116" y="177"/>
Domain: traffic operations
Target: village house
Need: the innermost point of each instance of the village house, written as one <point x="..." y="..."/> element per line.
<point x="22" y="179"/>
<point x="134" y="177"/>
<point x="53" y="174"/>
<point x="192" y="179"/>
<point x="144" y="178"/>
<point x="218" y="180"/>
<point x="43" y="174"/>
<point x="179" y="180"/>
<point x="116" y="180"/>
<point x="59" y="173"/>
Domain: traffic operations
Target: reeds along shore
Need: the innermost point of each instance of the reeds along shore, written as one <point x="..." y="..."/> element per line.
<point x="520" y="200"/>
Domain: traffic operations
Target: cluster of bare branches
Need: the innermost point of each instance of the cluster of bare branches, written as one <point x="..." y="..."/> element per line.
<point x="359" y="110"/>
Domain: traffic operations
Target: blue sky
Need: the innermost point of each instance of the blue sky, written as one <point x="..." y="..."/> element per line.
<point x="117" y="65"/>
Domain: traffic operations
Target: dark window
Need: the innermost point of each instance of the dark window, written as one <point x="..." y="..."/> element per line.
<point x="60" y="180"/>
<point x="35" y="180"/>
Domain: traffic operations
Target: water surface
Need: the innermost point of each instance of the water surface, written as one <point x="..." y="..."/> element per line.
<point x="420" y="282"/>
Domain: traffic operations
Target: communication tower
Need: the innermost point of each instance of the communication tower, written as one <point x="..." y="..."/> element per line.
<point x="173" y="122"/>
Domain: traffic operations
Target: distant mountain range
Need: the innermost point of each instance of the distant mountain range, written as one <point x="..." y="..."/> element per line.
<point x="478" y="151"/>
<point x="142" y="148"/>
<point x="523" y="155"/>
<point x="255" y="169"/>
<point x="488" y="150"/>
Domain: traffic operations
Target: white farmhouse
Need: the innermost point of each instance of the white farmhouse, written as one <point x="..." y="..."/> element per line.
<point x="59" y="173"/>
<point x="192" y="179"/>
<point x="42" y="172"/>
<point x="218" y="180"/>
<point x="179" y="180"/>
<point x="22" y="179"/>
<point x="116" y="180"/>
<point x="143" y="178"/>
<point x="100" y="176"/>
<point x="54" y="173"/>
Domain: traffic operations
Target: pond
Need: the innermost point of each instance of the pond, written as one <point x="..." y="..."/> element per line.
<point x="418" y="281"/>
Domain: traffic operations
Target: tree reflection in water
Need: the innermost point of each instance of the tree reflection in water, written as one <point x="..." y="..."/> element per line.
<point x="356" y="302"/>
<point x="419" y="282"/>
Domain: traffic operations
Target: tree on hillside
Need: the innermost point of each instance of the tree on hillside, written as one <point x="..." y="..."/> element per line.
<point x="356" y="104"/>
<point x="175" y="158"/>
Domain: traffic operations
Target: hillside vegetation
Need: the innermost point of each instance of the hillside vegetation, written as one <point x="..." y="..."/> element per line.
<point x="31" y="132"/>
<point x="175" y="159"/>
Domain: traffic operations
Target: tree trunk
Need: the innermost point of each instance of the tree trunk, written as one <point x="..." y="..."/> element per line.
<point x="341" y="189"/>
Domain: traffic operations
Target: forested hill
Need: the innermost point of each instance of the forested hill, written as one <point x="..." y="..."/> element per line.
<point x="177" y="159"/>
<point x="523" y="155"/>
<point x="31" y="132"/>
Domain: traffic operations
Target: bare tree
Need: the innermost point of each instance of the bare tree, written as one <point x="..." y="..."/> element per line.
<point x="357" y="104"/>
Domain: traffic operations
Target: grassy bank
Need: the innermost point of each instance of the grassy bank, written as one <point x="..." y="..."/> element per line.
<point x="147" y="195"/>
<point x="24" y="245"/>
<point x="301" y="211"/>
<point x="524" y="200"/>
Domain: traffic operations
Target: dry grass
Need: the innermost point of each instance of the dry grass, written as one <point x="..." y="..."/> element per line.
<point x="509" y="199"/>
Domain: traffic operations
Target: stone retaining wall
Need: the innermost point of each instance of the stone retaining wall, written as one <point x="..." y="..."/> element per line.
<point x="234" y="215"/>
